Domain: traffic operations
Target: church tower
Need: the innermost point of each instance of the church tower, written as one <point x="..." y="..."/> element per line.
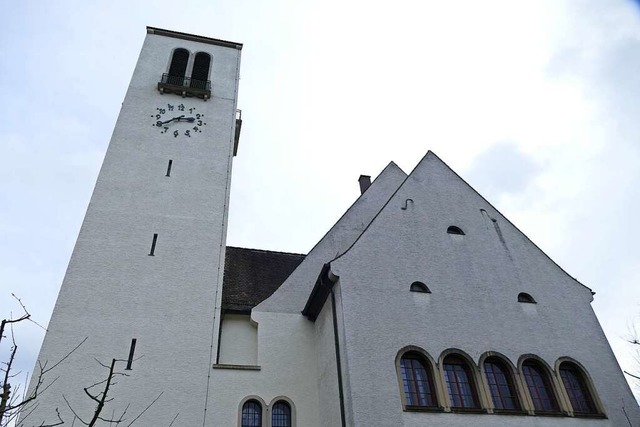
<point x="144" y="283"/>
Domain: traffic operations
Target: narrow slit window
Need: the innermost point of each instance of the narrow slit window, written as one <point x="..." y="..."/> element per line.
<point x="132" y="351"/>
<point x="169" y="168"/>
<point x="153" y="244"/>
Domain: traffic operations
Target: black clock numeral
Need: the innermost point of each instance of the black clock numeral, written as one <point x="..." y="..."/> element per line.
<point x="198" y="116"/>
<point x="195" y="129"/>
<point x="187" y="133"/>
<point x="181" y="107"/>
<point x="175" y="133"/>
<point x="191" y="110"/>
<point x="158" y="116"/>
<point x="159" y="123"/>
<point x="165" y="129"/>
<point x="199" y="122"/>
<point x="170" y="107"/>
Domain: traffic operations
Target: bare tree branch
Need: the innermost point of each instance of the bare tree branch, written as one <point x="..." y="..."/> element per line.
<point x="174" y="419"/>
<point x="74" y="412"/>
<point x="145" y="409"/>
<point x="60" y="422"/>
<point x="631" y="375"/>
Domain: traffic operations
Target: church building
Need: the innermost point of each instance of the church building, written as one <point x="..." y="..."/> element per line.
<point x="422" y="306"/>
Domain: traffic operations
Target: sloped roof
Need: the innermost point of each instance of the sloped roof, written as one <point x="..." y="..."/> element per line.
<point x="252" y="275"/>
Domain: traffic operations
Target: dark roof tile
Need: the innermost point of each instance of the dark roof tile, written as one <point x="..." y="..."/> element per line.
<point x="252" y="275"/>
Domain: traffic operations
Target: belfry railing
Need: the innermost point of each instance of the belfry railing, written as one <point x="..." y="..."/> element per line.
<point x="185" y="86"/>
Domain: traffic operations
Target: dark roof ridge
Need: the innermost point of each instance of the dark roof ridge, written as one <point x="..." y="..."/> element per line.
<point x="193" y="37"/>
<point x="266" y="251"/>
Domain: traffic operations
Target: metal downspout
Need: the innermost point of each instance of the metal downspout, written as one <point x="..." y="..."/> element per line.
<point x="338" y="364"/>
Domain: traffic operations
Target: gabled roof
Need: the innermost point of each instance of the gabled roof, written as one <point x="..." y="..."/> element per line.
<point x="252" y="275"/>
<point x="293" y="293"/>
<point x="322" y="284"/>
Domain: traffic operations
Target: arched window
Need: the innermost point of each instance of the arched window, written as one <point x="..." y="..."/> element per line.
<point x="501" y="385"/>
<point x="417" y="381"/>
<point x="524" y="297"/>
<point x="419" y="287"/>
<point x="575" y="384"/>
<point x="178" y="67"/>
<point x="251" y="414"/>
<point x="455" y="230"/>
<point x="539" y="386"/>
<point x="281" y="414"/>
<point x="200" y="73"/>
<point x="460" y="384"/>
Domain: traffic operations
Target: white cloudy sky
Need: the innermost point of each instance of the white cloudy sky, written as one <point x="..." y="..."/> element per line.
<point x="533" y="103"/>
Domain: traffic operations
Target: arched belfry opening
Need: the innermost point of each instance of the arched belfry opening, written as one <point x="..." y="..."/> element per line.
<point x="200" y="73"/>
<point x="178" y="67"/>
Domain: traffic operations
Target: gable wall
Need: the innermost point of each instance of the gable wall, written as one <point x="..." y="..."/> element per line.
<point x="475" y="282"/>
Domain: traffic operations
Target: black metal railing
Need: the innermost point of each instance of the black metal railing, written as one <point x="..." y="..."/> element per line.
<point x="173" y="80"/>
<point x="199" y="84"/>
<point x="185" y="85"/>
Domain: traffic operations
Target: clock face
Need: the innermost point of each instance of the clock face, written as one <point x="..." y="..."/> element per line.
<point x="178" y="120"/>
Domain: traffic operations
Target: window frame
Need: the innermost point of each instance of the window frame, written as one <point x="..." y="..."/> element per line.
<point x="548" y="381"/>
<point x="429" y="365"/>
<point x="292" y="408"/>
<point x="586" y="382"/>
<point x="512" y="382"/>
<point x="471" y="370"/>
<point x="263" y="408"/>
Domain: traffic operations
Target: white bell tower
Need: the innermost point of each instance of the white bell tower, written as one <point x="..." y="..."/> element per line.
<point x="144" y="282"/>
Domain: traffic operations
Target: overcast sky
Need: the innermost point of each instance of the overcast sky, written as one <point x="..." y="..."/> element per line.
<point x="535" y="104"/>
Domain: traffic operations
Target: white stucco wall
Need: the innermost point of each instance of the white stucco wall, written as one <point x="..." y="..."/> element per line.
<point x="113" y="291"/>
<point x="297" y="356"/>
<point x="475" y="281"/>
<point x="287" y="362"/>
<point x="238" y="340"/>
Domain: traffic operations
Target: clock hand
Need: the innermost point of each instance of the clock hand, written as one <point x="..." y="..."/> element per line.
<point x="181" y="118"/>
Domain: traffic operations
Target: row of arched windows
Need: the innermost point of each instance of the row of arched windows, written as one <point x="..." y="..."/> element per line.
<point x="456" y="384"/>
<point x="279" y="414"/>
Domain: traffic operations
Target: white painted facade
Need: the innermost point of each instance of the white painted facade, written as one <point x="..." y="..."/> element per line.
<point x="113" y="290"/>
<point x="394" y="234"/>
